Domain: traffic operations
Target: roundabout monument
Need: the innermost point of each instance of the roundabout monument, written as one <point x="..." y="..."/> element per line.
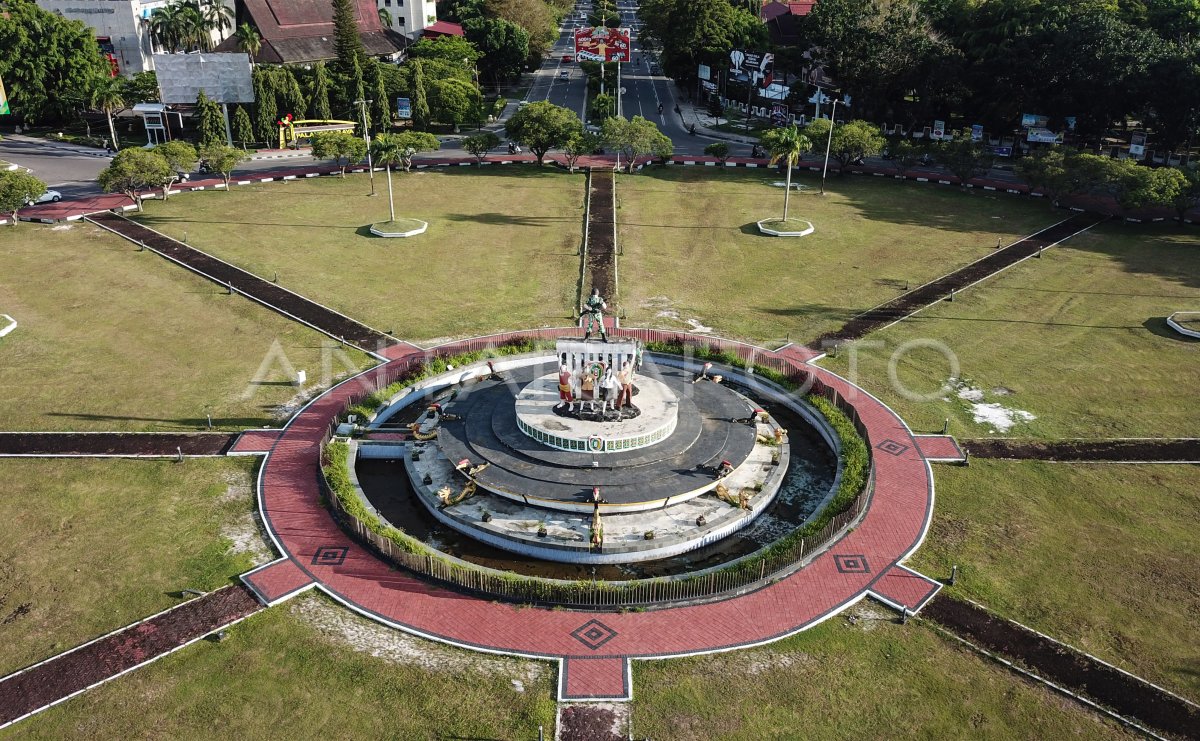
<point x="535" y="491"/>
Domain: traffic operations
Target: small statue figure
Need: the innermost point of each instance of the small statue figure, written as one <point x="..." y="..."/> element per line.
<point x="612" y="390"/>
<point x="724" y="469"/>
<point x="576" y="390"/>
<point x="588" y="390"/>
<point x="703" y="374"/>
<point x="593" y="310"/>
<point x="564" y="386"/>
<point x="625" y="379"/>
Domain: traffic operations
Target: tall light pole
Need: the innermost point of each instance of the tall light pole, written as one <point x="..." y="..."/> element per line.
<point x="362" y="104"/>
<point x="828" y="143"/>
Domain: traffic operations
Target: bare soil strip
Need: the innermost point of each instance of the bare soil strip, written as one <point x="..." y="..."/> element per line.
<point x="265" y="292"/>
<point x="1132" y="450"/>
<point x="1125" y="694"/>
<point x="940" y="289"/>
<point x="115" y="443"/>
<point x="600" y="271"/>
<point x="72" y="672"/>
<point x="590" y="723"/>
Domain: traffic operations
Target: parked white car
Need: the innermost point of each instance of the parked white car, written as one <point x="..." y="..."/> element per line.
<point x="50" y="196"/>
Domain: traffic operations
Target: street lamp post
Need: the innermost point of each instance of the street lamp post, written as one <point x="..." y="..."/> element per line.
<point x="362" y="104"/>
<point x="828" y="144"/>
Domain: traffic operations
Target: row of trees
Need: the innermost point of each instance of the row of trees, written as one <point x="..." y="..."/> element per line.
<point x="135" y="170"/>
<point x="543" y="126"/>
<point x="1096" y="62"/>
<point x="189" y="25"/>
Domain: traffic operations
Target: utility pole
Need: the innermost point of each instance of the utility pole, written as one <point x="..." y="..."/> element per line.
<point x="362" y="104"/>
<point x="828" y="144"/>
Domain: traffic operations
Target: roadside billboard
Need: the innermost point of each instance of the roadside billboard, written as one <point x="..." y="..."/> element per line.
<point x="4" y="109"/>
<point x="977" y="132"/>
<point x="602" y="44"/>
<point x="757" y="68"/>
<point x="224" y="78"/>
<point x="1043" y="136"/>
<point x="1034" y="121"/>
<point x="404" y="108"/>
<point x="1137" y="144"/>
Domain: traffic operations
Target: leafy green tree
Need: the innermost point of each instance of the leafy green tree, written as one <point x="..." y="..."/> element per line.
<point x="905" y="154"/>
<point x="690" y="32"/>
<point x="785" y="145"/>
<point x="635" y="138"/>
<point x="1189" y="196"/>
<point x="108" y="95"/>
<point x="535" y="17"/>
<point x="222" y="159"/>
<point x="134" y="170"/>
<point x="347" y="44"/>
<point x="17" y="188"/>
<point x="48" y="63"/>
<point x="391" y="150"/>
<point x="453" y="101"/>
<point x="180" y="157"/>
<point x="1045" y="170"/>
<point x="291" y="99"/>
<point x="420" y="102"/>
<point x="580" y="144"/>
<point x="381" y="109"/>
<point x="358" y="84"/>
<point x="480" y="144"/>
<point x="1153" y="187"/>
<point x="458" y="11"/>
<point x="318" y="99"/>
<point x="966" y="159"/>
<point x="343" y="147"/>
<point x="603" y="106"/>
<point x="142" y="87"/>
<point x="720" y="150"/>
<point x="266" y="114"/>
<point x="243" y="130"/>
<point x="248" y="40"/>
<point x="851" y="141"/>
<point x="542" y="126"/>
<point x="504" y="45"/>
<point x="449" y="49"/>
<point x="212" y="122"/>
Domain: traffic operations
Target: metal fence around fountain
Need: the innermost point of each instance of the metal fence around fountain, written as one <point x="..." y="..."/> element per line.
<point x="746" y="574"/>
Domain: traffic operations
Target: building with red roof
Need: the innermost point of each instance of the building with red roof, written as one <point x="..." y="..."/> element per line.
<point x="295" y="31"/>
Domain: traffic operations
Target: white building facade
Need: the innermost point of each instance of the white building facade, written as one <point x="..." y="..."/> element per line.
<point x="409" y="17"/>
<point x="122" y="28"/>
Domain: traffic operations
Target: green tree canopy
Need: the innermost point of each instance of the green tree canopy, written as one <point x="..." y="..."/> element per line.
<point x="343" y="147"/>
<point x="347" y="44"/>
<point x="963" y="157"/>
<point x="180" y="157"/>
<point x="391" y="150"/>
<point x="542" y="126"/>
<point x="453" y="101"/>
<point x="450" y="49"/>
<point x="266" y="114"/>
<point x="134" y="170"/>
<point x="222" y="159"/>
<point x="636" y="138"/>
<point x="18" y="188"/>
<point x="480" y="144"/>
<point x="243" y="130"/>
<point x="851" y="141"/>
<point x="211" y="121"/>
<point x="318" y="95"/>
<point x="48" y="63"/>
<point x="504" y="46"/>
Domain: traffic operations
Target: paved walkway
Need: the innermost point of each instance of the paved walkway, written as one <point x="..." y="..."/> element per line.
<point x="595" y="649"/>
<point x="68" y="674"/>
<point x="942" y="288"/>
<point x="269" y="294"/>
<point x="115" y="444"/>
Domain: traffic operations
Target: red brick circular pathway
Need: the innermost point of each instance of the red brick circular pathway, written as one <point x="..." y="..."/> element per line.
<point x="596" y="647"/>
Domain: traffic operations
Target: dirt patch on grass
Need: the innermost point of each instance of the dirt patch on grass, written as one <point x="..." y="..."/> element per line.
<point x="593" y="722"/>
<point x="360" y="634"/>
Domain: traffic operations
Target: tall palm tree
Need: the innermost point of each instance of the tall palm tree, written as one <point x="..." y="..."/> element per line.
<point x="786" y="144"/>
<point x="385" y="17"/>
<point x="106" y="96"/>
<point x="389" y="150"/>
<point x="248" y="40"/>
<point x="217" y="16"/>
<point x="164" y="26"/>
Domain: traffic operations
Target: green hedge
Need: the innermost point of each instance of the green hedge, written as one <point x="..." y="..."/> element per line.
<point x="337" y="475"/>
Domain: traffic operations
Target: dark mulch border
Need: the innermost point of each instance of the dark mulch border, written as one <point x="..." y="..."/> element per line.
<point x="601" y="266"/>
<point x="115" y="443"/>
<point x="1126" y="695"/>
<point x="261" y="290"/>
<point x="104" y="659"/>
<point x="1166" y="450"/>
<point x="941" y="288"/>
<point x="587" y="723"/>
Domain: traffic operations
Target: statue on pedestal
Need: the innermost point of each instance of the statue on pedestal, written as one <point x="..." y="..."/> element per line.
<point x="564" y="385"/>
<point x="593" y="310"/>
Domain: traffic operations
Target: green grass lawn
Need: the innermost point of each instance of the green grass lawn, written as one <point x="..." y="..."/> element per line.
<point x="91" y="546"/>
<point x="279" y="676"/>
<point x="500" y="252"/>
<point x="1101" y="556"/>
<point x="876" y="679"/>
<point x="109" y="338"/>
<point x="693" y="253"/>
<point x="1078" y="339"/>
